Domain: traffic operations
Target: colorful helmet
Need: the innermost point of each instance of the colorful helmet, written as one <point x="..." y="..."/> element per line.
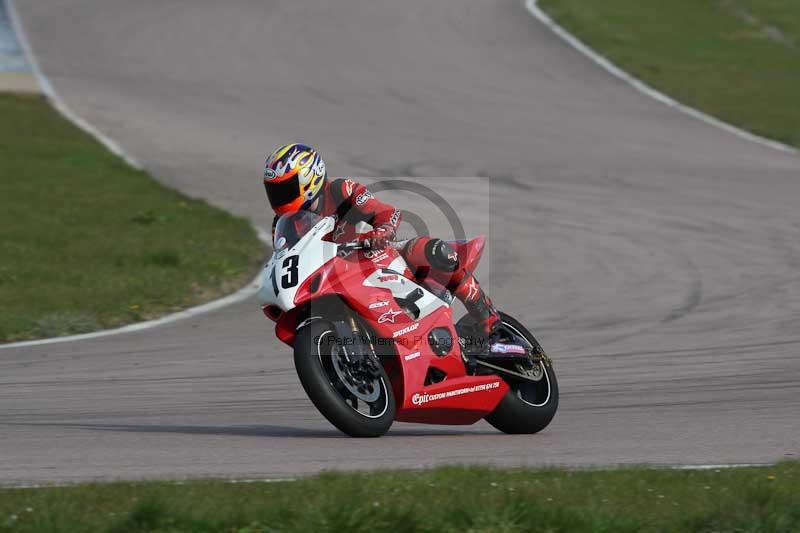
<point x="293" y="177"/>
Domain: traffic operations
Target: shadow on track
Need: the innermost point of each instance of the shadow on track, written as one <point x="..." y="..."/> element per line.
<point x="252" y="431"/>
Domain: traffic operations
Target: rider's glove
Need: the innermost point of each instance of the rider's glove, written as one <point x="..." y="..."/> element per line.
<point x="378" y="238"/>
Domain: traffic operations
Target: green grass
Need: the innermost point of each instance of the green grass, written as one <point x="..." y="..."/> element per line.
<point x="446" y="499"/>
<point x="738" y="60"/>
<point x="87" y="242"/>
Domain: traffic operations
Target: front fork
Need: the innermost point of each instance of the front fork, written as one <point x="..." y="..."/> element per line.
<point x="358" y="353"/>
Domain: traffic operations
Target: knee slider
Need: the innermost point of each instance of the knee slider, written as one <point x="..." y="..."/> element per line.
<point x="441" y="255"/>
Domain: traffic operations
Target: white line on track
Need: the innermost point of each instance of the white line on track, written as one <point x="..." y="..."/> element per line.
<point x="249" y="290"/>
<point x="235" y="481"/>
<point x="544" y="18"/>
<point x="720" y="467"/>
<point x="242" y="294"/>
<point x="55" y="99"/>
<point x="174" y="482"/>
<point x="47" y="88"/>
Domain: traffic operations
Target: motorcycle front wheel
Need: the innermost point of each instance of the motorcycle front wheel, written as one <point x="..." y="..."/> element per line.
<point x="359" y="404"/>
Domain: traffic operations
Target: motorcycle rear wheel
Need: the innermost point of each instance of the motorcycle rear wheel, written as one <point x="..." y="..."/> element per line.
<point x="318" y="361"/>
<point x="527" y="407"/>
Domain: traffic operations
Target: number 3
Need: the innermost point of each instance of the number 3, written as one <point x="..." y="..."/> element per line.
<point x="290" y="279"/>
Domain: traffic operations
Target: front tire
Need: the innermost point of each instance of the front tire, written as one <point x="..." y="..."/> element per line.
<point x="317" y="359"/>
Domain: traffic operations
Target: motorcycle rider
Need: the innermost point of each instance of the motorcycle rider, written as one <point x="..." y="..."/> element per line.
<point x="295" y="178"/>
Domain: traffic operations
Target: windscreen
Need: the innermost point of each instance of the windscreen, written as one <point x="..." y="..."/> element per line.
<point x="291" y="228"/>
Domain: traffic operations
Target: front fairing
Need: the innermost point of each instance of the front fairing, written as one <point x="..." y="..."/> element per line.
<point x="289" y="267"/>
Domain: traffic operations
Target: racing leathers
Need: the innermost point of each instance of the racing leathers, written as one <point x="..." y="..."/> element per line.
<point x="427" y="257"/>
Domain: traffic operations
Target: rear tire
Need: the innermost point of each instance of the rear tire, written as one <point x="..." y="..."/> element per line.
<point x="526" y="408"/>
<point x="315" y="348"/>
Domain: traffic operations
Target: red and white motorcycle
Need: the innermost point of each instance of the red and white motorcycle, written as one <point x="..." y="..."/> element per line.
<point x="372" y="346"/>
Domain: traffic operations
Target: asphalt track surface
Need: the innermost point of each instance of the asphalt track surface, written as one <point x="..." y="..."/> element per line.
<point x="655" y="256"/>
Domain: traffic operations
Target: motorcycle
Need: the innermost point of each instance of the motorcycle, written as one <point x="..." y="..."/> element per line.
<point x="371" y="345"/>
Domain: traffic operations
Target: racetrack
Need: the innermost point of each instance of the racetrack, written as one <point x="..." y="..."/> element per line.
<point x="655" y="256"/>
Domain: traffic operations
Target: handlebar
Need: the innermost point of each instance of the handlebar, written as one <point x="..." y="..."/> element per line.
<point x="353" y="245"/>
<point x="364" y="244"/>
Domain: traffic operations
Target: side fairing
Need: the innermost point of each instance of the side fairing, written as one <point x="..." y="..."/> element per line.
<point x="401" y="288"/>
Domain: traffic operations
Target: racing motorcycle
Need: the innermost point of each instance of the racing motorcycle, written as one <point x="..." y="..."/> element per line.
<point x="371" y="345"/>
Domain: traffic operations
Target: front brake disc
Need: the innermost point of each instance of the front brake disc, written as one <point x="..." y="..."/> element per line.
<point x="354" y="382"/>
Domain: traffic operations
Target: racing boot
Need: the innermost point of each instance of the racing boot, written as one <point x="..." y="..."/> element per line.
<point x="478" y="305"/>
<point x="486" y="345"/>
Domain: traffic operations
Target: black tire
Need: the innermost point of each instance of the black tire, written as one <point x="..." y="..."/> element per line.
<point x="313" y="354"/>
<point x="527" y="408"/>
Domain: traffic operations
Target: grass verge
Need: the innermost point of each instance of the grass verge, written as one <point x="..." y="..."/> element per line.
<point x="87" y="242"/>
<point x="738" y="60"/>
<point x="445" y="499"/>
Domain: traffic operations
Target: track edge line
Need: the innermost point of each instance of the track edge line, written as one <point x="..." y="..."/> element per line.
<point x="113" y="147"/>
<point x="255" y="480"/>
<point x="239" y="296"/>
<point x="533" y="8"/>
<point x="58" y="103"/>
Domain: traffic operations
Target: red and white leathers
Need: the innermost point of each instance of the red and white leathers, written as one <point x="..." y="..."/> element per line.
<point x="427" y="257"/>
<point x="434" y="258"/>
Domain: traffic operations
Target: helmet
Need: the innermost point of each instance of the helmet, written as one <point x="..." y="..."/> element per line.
<point x="293" y="177"/>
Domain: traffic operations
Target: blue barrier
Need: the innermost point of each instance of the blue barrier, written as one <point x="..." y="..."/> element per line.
<point x="12" y="58"/>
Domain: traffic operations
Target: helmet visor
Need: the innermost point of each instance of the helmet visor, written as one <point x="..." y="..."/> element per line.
<point x="282" y="192"/>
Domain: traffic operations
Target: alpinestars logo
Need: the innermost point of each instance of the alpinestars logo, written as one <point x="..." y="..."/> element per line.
<point x="473" y="290"/>
<point x="388" y="316"/>
<point x="419" y="399"/>
<point x="407" y="329"/>
<point x="339" y="231"/>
